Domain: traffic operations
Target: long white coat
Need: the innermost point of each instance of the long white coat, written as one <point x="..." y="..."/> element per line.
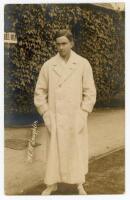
<point x="65" y="93"/>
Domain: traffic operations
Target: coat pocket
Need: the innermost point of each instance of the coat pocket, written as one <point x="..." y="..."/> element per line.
<point x="81" y="120"/>
<point x="47" y="120"/>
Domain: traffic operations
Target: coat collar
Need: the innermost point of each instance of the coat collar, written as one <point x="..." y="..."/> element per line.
<point x="71" y="64"/>
<point x="65" y="72"/>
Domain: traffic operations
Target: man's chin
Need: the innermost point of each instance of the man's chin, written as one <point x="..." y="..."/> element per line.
<point x="62" y="54"/>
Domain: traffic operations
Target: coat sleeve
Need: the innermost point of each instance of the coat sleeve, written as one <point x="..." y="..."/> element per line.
<point x="89" y="90"/>
<point x="41" y="91"/>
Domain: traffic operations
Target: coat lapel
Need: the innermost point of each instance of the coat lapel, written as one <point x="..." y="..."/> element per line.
<point x="57" y="69"/>
<point x="65" y="72"/>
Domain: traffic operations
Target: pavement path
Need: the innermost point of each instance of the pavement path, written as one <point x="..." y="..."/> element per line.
<point x="106" y="133"/>
<point x="106" y="176"/>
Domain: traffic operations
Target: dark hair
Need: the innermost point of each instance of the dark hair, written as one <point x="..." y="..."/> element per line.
<point x="64" y="32"/>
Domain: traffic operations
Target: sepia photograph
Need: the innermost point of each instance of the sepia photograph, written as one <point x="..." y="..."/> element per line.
<point x="64" y="99"/>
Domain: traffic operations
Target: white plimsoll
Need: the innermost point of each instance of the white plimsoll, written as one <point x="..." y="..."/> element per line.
<point x="81" y="190"/>
<point x="49" y="189"/>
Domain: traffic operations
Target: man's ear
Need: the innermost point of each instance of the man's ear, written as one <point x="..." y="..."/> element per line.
<point x="72" y="44"/>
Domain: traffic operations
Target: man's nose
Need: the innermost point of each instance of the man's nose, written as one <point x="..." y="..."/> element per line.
<point x="61" y="47"/>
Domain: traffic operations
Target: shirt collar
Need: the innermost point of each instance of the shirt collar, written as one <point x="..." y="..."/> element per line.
<point x="71" y="60"/>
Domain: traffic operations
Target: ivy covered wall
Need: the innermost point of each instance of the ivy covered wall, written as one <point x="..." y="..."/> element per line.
<point x="98" y="35"/>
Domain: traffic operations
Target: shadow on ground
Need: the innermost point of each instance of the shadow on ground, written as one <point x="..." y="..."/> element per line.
<point x="106" y="176"/>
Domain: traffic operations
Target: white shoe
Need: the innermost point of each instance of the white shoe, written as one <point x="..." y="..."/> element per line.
<point x="49" y="189"/>
<point x="81" y="190"/>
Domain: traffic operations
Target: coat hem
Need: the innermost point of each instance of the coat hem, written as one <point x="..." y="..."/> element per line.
<point x="67" y="182"/>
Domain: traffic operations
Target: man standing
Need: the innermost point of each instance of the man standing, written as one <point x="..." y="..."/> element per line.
<point x="65" y="93"/>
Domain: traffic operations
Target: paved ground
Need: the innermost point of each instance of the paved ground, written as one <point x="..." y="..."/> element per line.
<point x="106" y="133"/>
<point x="106" y="176"/>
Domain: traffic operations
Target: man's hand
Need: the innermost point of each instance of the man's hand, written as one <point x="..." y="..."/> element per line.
<point x="47" y="120"/>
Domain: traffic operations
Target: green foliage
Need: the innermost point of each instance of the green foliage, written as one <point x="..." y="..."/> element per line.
<point x="98" y="34"/>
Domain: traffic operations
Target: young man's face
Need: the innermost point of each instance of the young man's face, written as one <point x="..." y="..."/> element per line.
<point x="64" y="46"/>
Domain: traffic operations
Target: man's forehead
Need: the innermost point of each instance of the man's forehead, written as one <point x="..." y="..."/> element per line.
<point x="62" y="39"/>
<point x="61" y="42"/>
